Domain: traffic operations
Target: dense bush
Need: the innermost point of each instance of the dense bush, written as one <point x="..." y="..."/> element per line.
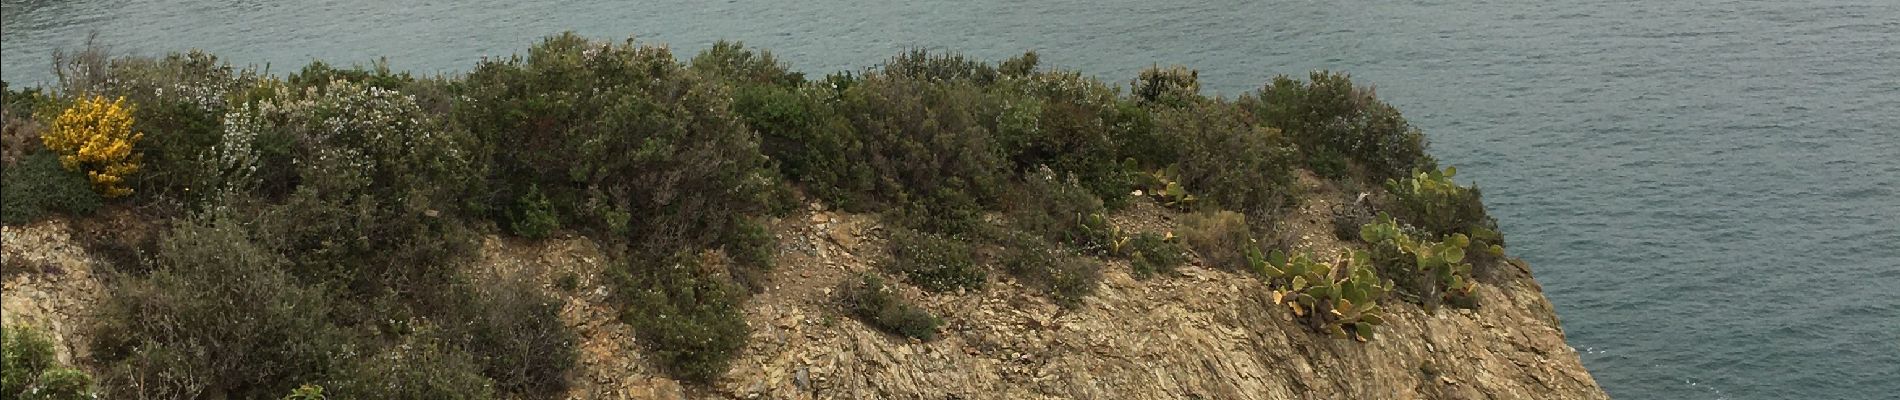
<point x="1175" y="85"/>
<point x="20" y="129"/>
<point x="688" y="318"/>
<point x="29" y="370"/>
<point x="374" y="204"/>
<point x="534" y="215"/>
<point x="800" y="129"/>
<point x="733" y="61"/>
<point x="1227" y="160"/>
<point x="922" y="65"/>
<point x="37" y="186"/>
<point x="930" y="146"/>
<point x="179" y="100"/>
<point x="1332" y="121"/>
<point x="421" y="367"/>
<point x="95" y="135"/>
<point x="515" y="333"/>
<point x="933" y="262"/>
<point x="1431" y="201"/>
<point x="615" y="132"/>
<point x="1222" y="238"/>
<point x="1060" y="210"/>
<point x="868" y="299"/>
<point x="1064" y="277"/>
<point x="1150" y="254"/>
<point x="219" y="317"/>
<point x="1072" y="124"/>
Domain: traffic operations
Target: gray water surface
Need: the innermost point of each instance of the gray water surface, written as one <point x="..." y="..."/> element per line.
<point x="1708" y="190"/>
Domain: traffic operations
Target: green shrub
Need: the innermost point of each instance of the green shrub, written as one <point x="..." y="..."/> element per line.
<point x="1431" y="201"/>
<point x="1221" y="238"/>
<point x="934" y="263"/>
<point x="180" y="101"/>
<point x="1173" y="86"/>
<point x="688" y="319"/>
<point x="1061" y="210"/>
<point x="732" y="61"/>
<point x="378" y="75"/>
<point x="813" y="144"/>
<point x="615" y="130"/>
<point x="421" y="367"/>
<point x="515" y="334"/>
<point x="1065" y="278"/>
<point x="219" y="316"/>
<point x="376" y="195"/>
<point x="921" y="65"/>
<point x="1228" y="161"/>
<point x="1152" y="254"/>
<point x="1339" y="297"/>
<point x="752" y="248"/>
<point x="38" y="186"/>
<point x="930" y="147"/>
<point x="306" y="392"/>
<point x="1069" y="123"/>
<point x="29" y="369"/>
<point x="1331" y="121"/>
<point x="534" y="215"/>
<point x="868" y="299"/>
<point x="20" y="132"/>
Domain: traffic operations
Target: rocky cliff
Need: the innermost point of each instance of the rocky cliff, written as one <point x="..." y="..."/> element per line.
<point x="1201" y="334"/>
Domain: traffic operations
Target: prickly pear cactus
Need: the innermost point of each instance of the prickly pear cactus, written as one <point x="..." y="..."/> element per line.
<point x="1442" y="263"/>
<point x="1340" y="297"/>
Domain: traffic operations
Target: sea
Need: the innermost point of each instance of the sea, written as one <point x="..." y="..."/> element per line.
<point x="1708" y="190"/>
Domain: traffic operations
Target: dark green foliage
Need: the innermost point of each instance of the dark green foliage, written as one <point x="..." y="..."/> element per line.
<point x="752" y="248"/>
<point x="1227" y="160"/>
<point x="20" y="134"/>
<point x="38" y="186"/>
<point x="1431" y="201"/>
<point x="1065" y="278"/>
<point x="1061" y="210"/>
<point x="1151" y="254"/>
<point x="29" y="370"/>
<point x="1172" y="86"/>
<point x="1332" y="121"/>
<point x="868" y="299"/>
<point x="933" y="262"/>
<point x="687" y="317"/>
<point x="1020" y="66"/>
<point x="423" y="367"/>
<point x="812" y="143"/>
<point x="931" y="148"/>
<point x="732" y="61"/>
<point x="615" y="133"/>
<point x="219" y="317"/>
<point x="1222" y="238"/>
<point x="534" y="215"/>
<point x="921" y="65"/>
<point x="514" y="332"/>
<point x="319" y="74"/>
<point x="1072" y="124"/>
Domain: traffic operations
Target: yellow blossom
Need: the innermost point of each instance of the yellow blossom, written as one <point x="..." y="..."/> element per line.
<point x="95" y="135"/>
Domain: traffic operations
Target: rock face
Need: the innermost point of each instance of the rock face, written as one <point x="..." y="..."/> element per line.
<point x="1201" y="334"/>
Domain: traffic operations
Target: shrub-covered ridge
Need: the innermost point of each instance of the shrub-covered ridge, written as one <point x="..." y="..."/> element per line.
<point x="321" y="222"/>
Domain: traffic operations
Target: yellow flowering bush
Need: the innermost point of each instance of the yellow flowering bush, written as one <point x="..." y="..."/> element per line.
<point x="96" y="134"/>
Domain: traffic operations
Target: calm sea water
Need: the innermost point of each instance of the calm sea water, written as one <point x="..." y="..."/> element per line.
<point x="1708" y="190"/>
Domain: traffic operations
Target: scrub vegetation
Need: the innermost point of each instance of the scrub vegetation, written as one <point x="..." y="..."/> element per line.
<point x="318" y="224"/>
